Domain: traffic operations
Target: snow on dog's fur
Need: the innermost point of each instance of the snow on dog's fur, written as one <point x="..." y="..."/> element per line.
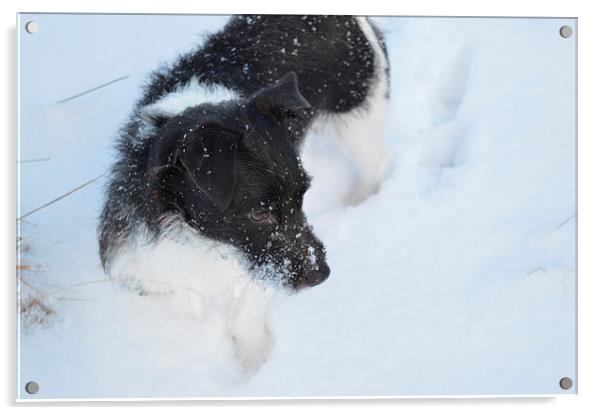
<point x="208" y="188"/>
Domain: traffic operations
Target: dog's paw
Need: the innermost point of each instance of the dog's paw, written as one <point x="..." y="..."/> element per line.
<point x="252" y="351"/>
<point x="371" y="172"/>
<point x="359" y="194"/>
<point x="248" y="325"/>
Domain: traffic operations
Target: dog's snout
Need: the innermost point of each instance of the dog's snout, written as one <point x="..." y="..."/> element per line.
<point x="317" y="277"/>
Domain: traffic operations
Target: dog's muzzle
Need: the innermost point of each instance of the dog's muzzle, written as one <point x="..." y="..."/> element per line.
<point x="313" y="277"/>
<point x="317" y="277"/>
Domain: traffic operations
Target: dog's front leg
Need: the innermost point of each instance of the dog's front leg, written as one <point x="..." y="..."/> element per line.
<point x="360" y="134"/>
<point x="248" y="325"/>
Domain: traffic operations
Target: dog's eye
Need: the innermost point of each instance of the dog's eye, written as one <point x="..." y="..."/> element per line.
<point x="262" y="216"/>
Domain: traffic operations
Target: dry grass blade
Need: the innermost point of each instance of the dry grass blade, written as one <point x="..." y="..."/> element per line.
<point x="113" y="280"/>
<point x="567" y="220"/>
<point x="92" y="89"/>
<point x="23" y="281"/>
<point x="60" y="197"/>
<point x="27" y="223"/>
<point x="34" y="312"/>
<point x="33" y="160"/>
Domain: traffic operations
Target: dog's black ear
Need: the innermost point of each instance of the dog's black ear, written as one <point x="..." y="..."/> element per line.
<point x="210" y="161"/>
<point x="207" y="154"/>
<point x="280" y="98"/>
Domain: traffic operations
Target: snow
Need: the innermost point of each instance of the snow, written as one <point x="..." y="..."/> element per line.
<point x="458" y="277"/>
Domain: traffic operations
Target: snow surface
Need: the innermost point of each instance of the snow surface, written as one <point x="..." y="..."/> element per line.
<point x="457" y="278"/>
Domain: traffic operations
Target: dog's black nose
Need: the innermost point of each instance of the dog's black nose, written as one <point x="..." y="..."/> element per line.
<point x="317" y="277"/>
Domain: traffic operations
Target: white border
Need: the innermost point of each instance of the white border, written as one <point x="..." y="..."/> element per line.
<point x="289" y="398"/>
<point x="589" y="197"/>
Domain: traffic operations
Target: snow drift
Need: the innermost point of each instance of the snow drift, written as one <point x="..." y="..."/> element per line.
<point x="458" y="277"/>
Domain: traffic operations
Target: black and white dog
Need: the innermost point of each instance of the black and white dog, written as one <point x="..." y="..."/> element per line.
<point x="208" y="187"/>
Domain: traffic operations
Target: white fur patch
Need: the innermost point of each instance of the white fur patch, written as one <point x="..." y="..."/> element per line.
<point x="208" y="277"/>
<point x="360" y="132"/>
<point x="381" y="59"/>
<point x="192" y="94"/>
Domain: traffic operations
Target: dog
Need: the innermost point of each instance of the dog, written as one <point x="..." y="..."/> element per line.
<point x="208" y="186"/>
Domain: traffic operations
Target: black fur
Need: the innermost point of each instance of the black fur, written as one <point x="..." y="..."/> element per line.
<point x="232" y="170"/>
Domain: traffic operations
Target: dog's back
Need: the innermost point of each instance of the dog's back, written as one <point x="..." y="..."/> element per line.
<point x="333" y="57"/>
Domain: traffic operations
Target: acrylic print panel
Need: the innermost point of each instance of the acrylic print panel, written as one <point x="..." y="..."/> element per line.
<point x="433" y="252"/>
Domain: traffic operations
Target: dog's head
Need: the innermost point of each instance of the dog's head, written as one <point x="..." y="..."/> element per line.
<point x="233" y="171"/>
